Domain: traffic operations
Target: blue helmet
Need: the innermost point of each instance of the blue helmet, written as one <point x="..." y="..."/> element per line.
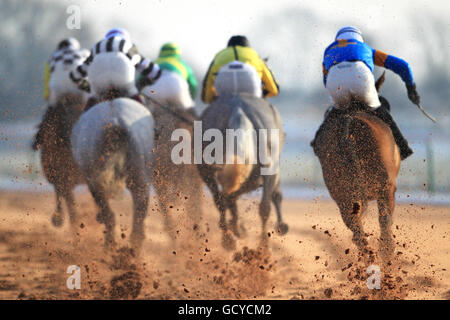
<point x="118" y="32"/>
<point x="349" y="32"/>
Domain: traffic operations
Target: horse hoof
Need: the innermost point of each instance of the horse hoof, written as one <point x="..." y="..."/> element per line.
<point x="282" y="228"/>
<point x="264" y="241"/>
<point x="109" y="246"/>
<point x="100" y="218"/>
<point x="136" y="243"/>
<point x="57" y="220"/>
<point x="386" y="250"/>
<point x="240" y="232"/>
<point x="228" y="242"/>
<point x="360" y="242"/>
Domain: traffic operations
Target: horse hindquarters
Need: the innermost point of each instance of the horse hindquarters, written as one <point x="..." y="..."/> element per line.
<point x="240" y="157"/>
<point x="341" y="151"/>
<point x="359" y="163"/>
<point x="111" y="144"/>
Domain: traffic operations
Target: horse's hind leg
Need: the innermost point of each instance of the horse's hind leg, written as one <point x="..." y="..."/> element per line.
<point x="239" y="231"/>
<point x="193" y="204"/>
<point x="105" y="216"/>
<point x="57" y="217"/>
<point x="70" y="202"/>
<point x="164" y="199"/>
<point x="73" y="216"/>
<point x="227" y="238"/>
<point x="264" y="206"/>
<point x="140" y="194"/>
<point x="386" y="205"/>
<point x="351" y="214"/>
<point x="208" y="177"/>
<point x="277" y="197"/>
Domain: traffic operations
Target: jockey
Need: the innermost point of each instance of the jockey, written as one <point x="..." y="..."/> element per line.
<point x="177" y="84"/>
<point x="238" y="68"/>
<point x="66" y="58"/>
<point x="111" y="65"/>
<point x="348" y="64"/>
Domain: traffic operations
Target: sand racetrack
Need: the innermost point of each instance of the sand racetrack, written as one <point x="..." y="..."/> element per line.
<point x="315" y="260"/>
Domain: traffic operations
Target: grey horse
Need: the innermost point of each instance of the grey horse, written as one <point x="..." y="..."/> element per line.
<point x="243" y="172"/>
<point x="112" y="144"/>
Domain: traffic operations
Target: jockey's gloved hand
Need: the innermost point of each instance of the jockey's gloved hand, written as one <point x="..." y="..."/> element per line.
<point x="412" y="94"/>
<point x="84" y="85"/>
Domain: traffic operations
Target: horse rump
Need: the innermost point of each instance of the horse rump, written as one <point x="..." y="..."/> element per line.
<point x="110" y="170"/>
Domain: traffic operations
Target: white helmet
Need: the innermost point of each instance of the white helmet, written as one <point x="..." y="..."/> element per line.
<point x="349" y="32"/>
<point x="69" y="43"/>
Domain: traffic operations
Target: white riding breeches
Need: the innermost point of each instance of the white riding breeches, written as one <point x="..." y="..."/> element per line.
<point x="170" y="89"/>
<point x="112" y="70"/>
<point x="238" y="77"/>
<point x="60" y="84"/>
<point x="348" y="80"/>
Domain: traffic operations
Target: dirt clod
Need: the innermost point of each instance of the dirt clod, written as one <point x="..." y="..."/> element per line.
<point x="125" y="286"/>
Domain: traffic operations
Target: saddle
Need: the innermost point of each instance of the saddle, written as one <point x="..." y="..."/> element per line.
<point x="382" y="113"/>
<point x="111" y="94"/>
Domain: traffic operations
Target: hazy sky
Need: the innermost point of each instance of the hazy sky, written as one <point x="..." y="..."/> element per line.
<point x="202" y="27"/>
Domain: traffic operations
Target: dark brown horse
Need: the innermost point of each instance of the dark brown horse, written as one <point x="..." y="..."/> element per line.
<point x="360" y="162"/>
<point x="58" y="165"/>
<point x="175" y="184"/>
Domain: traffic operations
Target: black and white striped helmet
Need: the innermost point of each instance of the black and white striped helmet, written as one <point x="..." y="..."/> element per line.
<point x="69" y="43"/>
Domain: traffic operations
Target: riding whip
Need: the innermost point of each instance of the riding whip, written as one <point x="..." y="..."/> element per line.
<point x="429" y="116"/>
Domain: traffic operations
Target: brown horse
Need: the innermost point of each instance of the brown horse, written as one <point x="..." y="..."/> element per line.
<point x="360" y="162"/>
<point x="58" y="165"/>
<point x="175" y="184"/>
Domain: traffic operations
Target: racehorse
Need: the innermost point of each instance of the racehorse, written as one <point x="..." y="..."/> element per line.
<point x="360" y="162"/>
<point x="243" y="173"/>
<point x="58" y="165"/>
<point x="175" y="184"/>
<point x="112" y="144"/>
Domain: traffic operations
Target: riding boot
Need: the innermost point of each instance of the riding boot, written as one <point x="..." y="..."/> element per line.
<point x="383" y="113"/>
<point x="92" y="101"/>
<point x="331" y="112"/>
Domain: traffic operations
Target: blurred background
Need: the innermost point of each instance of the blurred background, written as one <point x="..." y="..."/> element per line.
<point x="291" y="34"/>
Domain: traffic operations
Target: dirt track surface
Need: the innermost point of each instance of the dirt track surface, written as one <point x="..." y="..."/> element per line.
<point x="315" y="260"/>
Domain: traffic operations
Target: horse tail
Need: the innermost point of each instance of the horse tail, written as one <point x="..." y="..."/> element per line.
<point x="241" y="160"/>
<point x="350" y="142"/>
<point x="110" y="172"/>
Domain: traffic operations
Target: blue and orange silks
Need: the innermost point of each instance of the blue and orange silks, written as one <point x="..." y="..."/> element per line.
<point x="353" y="50"/>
